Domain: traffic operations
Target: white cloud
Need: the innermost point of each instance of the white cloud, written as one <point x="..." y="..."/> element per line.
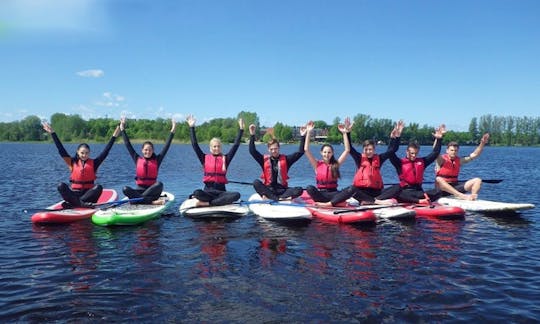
<point x="95" y="73"/>
<point x="111" y="100"/>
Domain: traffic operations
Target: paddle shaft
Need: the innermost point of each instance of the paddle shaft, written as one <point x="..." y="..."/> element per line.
<point x="389" y="184"/>
<point x="96" y="206"/>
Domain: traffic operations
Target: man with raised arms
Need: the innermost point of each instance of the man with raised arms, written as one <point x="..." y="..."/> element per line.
<point x="447" y="169"/>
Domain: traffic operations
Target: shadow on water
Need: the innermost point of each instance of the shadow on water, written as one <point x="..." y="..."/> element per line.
<point x="507" y="218"/>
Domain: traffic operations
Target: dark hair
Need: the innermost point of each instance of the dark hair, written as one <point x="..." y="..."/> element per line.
<point x="272" y="142"/>
<point x="413" y="145"/>
<point x="453" y="143"/>
<point x="334" y="164"/>
<point x="368" y="142"/>
<point x="148" y="143"/>
<point x="83" y="145"/>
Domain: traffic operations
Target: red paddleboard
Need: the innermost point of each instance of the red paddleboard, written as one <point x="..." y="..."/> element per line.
<point x="436" y="210"/>
<point x="71" y="215"/>
<point x="344" y="216"/>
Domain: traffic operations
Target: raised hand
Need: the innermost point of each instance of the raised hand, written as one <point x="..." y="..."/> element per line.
<point x="252" y="129"/>
<point x="440" y="131"/>
<point x="122" y="123"/>
<point x="47" y="127"/>
<point x="173" y="125"/>
<point x="309" y="126"/>
<point x="241" y="123"/>
<point x="398" y="128"/>
<point x="485" y="138"/>
<point x="348" y="124"/>
<point x="190" y="120"/>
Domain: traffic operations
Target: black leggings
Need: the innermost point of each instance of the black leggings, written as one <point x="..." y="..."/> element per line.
<point x="411" y="194"/>
<point x="149" y="194"/>
<point x="216" y="197"/>
<point x="275" y="193"/>
<point x="77" y="197"/>
<point x="319" y="195"/>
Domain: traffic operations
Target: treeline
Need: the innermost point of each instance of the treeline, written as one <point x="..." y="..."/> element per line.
<point x="504" y="131"/>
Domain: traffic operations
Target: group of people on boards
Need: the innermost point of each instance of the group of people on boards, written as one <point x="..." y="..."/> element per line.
<point x="367" y="186"/>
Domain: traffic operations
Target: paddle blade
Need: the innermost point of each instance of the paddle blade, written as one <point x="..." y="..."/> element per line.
<point x="492" y="180"/>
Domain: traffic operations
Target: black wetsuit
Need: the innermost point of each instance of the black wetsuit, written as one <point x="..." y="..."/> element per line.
<point x="363" y="194"/>
<point x="413" y="193"/>
<point x="152" y="192"/>
<point x="215" y="193"/>
<point x="275" y="190"/>
<point x="76" y="198"/>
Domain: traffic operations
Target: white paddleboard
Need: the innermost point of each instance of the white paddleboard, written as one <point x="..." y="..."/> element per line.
<point x="278" y="210"/>
<point x="484" y="206"/>
<point x="188" y="209"/>
<point x="394" y="213"/>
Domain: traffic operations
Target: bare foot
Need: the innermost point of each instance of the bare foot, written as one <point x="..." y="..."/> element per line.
<point x="203" y="204"/>
<point x="323" y="204"/>
<point x="424" y="201"/>
<point x="390" y="201"/>
<point x="158" y="202"/>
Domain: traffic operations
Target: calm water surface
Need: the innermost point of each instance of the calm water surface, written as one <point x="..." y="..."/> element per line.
<point x="249" y="270"/>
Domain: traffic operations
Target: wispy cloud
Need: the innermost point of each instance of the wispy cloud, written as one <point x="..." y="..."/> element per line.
<point x="91" y="73"/>
<point x="109" y="99"/>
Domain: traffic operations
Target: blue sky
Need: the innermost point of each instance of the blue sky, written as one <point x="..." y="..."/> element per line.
<point x="428" y="61"/>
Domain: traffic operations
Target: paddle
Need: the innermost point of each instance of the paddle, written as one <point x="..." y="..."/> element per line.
<point x="352" y="210"/>
<point x="96" y="206"/>
<point x="432" y="182"/>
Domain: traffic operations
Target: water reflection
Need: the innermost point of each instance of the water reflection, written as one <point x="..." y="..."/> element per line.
<point x="75" y="244"/>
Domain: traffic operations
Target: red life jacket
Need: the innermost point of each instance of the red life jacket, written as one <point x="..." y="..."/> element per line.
<point x="449" y="170"/>
<point x="412" y="172"/>
<point x="283" y="175"/>
<point x="324" y="177"/>
<point x="83" y="174"/>
<point x="214" y="169"/>
<point x="146" y="171"/>
<point x="368" y="174"/>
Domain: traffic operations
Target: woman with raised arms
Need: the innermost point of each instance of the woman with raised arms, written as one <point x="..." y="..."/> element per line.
<point x="215" y="166"/>
<point x="146" y="168"/>
<point x="326" y="169"/>
<point x="83" y="192"/>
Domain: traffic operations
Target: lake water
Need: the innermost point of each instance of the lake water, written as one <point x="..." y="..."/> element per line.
<point x="248" y="270"/>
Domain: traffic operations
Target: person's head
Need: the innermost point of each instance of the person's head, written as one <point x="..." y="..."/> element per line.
<point x="369" y="148"/>
<point x="147" y="149"/>
<point x="273" y="147"/>
<point x="327" y="152"/>
<point x="215" y="146"/>
<point x="452" y="149"/>
<point x="412" y="151"/>
<point x="83" y="151"/>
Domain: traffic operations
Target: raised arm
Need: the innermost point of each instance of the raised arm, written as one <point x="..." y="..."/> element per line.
<point x="478" y="150"/>
<point x="438" y="134"/>
<point x="107" y="149"/>
<point x="293" y="157"/>
<point x="234" y="148"/>
<point x="129" y="147"/>
<point x="252" y="149"/>
<point x="191" y="123"/>
<point x="61" y="149"/>
<point x="307" y="151"/>
<point x="167" y="145"/>
<point x="345" y="129"/>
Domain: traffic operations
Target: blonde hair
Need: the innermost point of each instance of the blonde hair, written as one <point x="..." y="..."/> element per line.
<point x="218" y="141"/>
